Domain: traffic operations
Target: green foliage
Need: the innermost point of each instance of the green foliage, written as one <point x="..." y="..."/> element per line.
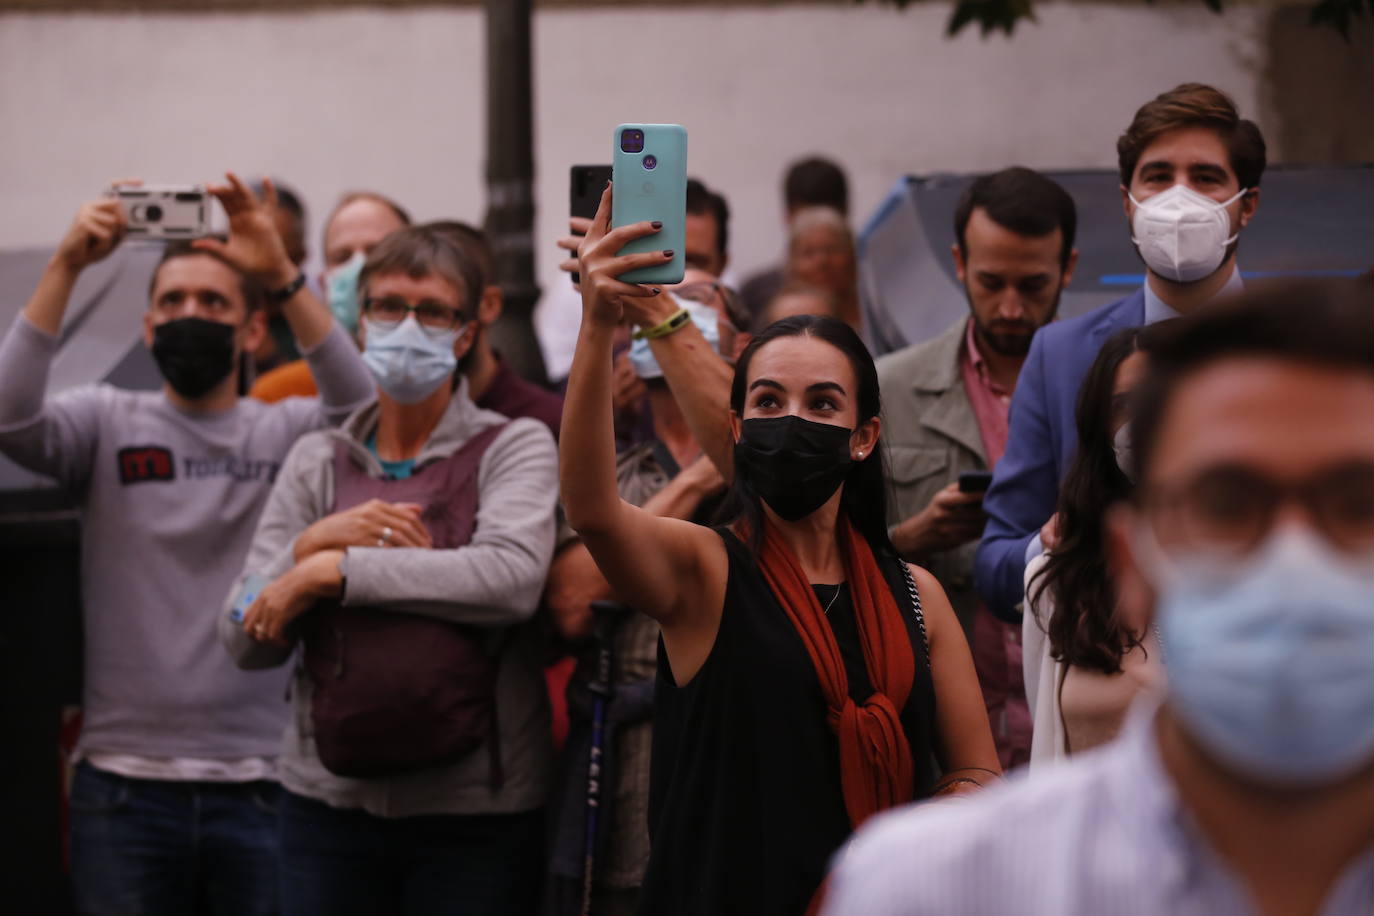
<point x="1003" y="15"/>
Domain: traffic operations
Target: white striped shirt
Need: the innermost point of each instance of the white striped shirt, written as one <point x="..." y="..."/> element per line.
<point x="1100" y="835"/>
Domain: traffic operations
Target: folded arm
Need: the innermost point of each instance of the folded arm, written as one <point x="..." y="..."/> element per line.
<point x="497" y="578"/>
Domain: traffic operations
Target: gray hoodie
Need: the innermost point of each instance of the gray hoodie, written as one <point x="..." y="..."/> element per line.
<point x="495" y="581"/>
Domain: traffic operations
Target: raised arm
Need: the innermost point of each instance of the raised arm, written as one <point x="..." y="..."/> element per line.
<point x="697" y="376"/>
<point x="575" y="581"/>
<point x="255" y="248"/>
<point x="54" y="437"/>
<point x="669" y="569"/>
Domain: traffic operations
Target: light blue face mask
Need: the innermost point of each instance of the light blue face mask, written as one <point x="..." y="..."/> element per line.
<point x="408" y="362"/>
<point x="1269" y="660"/>
<point x="342" y="288"/>
<point x="703" y="316"/>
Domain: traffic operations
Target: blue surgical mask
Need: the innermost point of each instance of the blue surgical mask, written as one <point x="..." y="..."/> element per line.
<point x="409" y="362"/>
<point x="1269" y="659"/>
<point x="703" y="316"/>
<point x="342" y="287"/>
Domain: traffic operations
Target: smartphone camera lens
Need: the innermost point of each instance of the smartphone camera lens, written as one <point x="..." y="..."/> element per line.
<point x="632" y="140"/>
<point x="650" y="161"/>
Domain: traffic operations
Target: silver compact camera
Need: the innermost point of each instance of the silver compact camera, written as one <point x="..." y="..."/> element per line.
<point x="165" y="213"/>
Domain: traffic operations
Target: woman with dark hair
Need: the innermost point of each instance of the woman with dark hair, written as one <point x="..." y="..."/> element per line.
<point x="808" y="679"/>
<point x="1083" y="662"/>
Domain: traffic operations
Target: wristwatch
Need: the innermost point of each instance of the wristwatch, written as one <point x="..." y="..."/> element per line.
<point x="278" y="296"/>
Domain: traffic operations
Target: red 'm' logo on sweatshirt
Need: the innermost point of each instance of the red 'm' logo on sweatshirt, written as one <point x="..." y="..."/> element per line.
<point x="142" y="463"/>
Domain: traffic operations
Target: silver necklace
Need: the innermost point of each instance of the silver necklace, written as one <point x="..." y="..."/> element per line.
<point x="833" y="599"/>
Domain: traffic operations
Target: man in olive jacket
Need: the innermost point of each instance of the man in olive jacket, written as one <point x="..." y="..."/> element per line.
<point x="946" y="403"/>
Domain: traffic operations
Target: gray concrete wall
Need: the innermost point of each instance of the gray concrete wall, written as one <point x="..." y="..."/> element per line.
<point x="339" y="97"/>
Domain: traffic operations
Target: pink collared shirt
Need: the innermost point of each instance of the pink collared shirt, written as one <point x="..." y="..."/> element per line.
<point x="990" y="400"/>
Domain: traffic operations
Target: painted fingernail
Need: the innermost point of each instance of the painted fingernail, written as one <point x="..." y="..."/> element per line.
<point x="667" y="252"/>
<point x="656" y="224"/>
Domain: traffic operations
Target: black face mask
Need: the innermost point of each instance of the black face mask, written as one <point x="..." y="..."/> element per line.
<point x="794" y="465"/>
<point x="193" y="354"/>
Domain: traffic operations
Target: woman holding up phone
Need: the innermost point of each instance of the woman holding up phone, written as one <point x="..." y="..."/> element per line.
<point x="801" y="688"/>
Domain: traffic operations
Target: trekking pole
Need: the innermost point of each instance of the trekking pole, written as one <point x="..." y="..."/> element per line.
<point x="606" y="618"/>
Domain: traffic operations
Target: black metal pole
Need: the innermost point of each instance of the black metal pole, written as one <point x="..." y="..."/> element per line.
<point x="510" y="181"/>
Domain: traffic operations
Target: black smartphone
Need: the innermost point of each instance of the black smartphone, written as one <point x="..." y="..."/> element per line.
<point x="585" y="184"/>
<point x="975" y="481"/>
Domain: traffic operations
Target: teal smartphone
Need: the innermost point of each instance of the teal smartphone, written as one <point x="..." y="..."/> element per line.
<point x="649" y="176"/>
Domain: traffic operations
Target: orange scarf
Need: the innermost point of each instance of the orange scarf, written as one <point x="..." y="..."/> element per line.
<point x="876" y="769"/>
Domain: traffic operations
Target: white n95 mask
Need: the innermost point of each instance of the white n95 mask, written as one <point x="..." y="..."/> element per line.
<point x="1181" y="234"/>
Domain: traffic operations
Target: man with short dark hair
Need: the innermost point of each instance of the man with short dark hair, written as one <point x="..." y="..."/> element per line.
<point x="707" y="245"/>
<point x="1190" y="173"/>
<point x="173" y="801"/>
<point x="1248" y="546"/>
<point x="946" y="403"/>
<point x="811" y="182"/>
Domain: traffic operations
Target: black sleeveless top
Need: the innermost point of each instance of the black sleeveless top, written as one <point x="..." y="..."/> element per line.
<point x="745" y="806"/>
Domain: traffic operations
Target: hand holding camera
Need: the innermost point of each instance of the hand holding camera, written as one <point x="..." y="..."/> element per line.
<point x="254" y="245"/>
<point x="97" y="230"/>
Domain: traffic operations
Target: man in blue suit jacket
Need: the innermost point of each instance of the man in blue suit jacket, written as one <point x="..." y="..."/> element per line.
<point x="1190" y="149"/>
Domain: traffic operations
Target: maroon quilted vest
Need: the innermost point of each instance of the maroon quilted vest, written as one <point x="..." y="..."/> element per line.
<point x="394" y="691"/>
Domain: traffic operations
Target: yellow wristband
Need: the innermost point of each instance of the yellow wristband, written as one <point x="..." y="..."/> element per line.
<point x="674" y="322"/>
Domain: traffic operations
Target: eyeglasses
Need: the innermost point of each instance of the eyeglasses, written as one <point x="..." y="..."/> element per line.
<point x="1234" y="509"/>
<point x="431" y="315"/>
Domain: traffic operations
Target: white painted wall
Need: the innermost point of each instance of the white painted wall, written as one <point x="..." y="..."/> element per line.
<point x="394" y="100"/>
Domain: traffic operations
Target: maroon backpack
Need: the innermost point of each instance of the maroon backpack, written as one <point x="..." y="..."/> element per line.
<point x="395" y="691"/>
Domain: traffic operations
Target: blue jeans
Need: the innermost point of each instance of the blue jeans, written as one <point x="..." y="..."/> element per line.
<point x="143" y="846"/>
<point x="346" y="862"/>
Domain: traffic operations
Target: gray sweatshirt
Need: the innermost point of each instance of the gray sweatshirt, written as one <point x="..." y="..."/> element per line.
<point x="169" y="502"/>
<point x="495" y="581"/>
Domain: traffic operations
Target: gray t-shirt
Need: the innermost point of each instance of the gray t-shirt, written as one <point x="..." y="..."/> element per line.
<point x="169" y="504"/>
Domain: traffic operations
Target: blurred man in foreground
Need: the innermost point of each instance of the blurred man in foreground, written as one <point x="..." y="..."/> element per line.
<point x="1249" y="545"/>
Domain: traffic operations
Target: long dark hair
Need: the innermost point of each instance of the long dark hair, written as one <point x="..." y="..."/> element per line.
<point x="865" y="488"/>
<point x="1084" y="630"/>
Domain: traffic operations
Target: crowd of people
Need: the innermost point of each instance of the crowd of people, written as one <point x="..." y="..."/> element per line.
<point x="816" y="604"/>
